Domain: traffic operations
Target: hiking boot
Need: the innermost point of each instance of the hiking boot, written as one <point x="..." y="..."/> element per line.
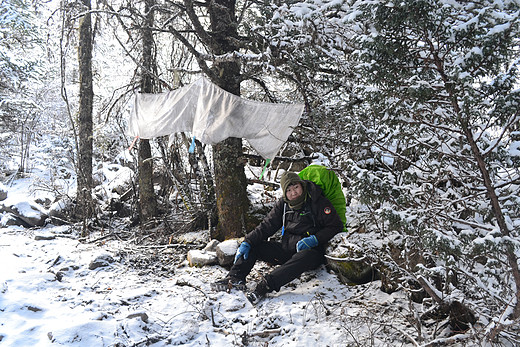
<point x="228" y="283"/>
<point x="262" y="288"/>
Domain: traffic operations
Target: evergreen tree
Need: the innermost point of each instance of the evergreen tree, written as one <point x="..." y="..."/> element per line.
<point x="439" y="84"/>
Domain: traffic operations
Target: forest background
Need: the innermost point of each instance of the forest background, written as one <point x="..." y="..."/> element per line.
<point x="414" y="104"/>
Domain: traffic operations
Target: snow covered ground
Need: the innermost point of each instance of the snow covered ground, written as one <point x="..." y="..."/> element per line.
<point x="108" y="290"/>
<point x="52" y="293"/>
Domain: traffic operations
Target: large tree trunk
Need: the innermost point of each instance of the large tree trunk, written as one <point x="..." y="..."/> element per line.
<point x="85" y="132"/>
<point x="147" y="200"/>
<point x="230" y="179"/>
<point x="230" y="183"/>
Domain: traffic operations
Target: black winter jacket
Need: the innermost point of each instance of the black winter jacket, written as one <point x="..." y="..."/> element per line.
<point x="317" y="217"/>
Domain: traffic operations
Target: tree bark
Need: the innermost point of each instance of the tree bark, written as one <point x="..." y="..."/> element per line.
<point x="230" y="183"/>
<point x="85" y="128"/>
<point x="230" y="178"/>
<point x="147" y="199"/>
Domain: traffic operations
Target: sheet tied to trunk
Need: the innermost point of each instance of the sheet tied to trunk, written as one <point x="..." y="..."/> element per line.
<point x="212" y="115"/>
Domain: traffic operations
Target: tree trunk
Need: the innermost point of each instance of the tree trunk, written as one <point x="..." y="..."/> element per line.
<point x="230" y="183"/>
<point x="208" y="187"/>
<point x="85" y="128"/>
<point x="147" y="200"/>
<point x="499" y="215"/>
<point x="495" y="204"/>
<point x="230" y="178"/>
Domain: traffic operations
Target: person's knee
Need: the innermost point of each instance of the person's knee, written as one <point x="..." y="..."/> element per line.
<point x="310" y="256"/>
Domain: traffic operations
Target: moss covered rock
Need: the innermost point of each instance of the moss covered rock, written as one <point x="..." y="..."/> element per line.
<point x="349" y="262"/>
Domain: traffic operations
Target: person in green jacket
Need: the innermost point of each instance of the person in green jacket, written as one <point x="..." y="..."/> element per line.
<point x="308" y="221"/>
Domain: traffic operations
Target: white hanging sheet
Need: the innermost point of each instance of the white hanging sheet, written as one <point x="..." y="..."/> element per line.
<point x="212" y="115"/>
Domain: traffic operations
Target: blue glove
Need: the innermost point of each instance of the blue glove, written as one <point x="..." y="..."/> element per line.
<point x="307" y="243"/>
<point x="243" y="250"/>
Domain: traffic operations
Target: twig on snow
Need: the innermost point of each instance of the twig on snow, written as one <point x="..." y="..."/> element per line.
<point x="266" y="333"/>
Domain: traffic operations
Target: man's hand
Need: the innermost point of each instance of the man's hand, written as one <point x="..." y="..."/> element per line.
<point x="243" y="250"/>
<point x="307" y="243"/>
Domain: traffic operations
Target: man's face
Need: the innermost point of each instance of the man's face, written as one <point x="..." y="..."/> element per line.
<point x="294" y="191"/>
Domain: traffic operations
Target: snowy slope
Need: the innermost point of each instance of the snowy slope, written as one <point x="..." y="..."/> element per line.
<point x="49" y="296"/>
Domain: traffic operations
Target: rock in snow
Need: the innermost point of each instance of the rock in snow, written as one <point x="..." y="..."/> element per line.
<point x="101" y="261"/>
<point x="226" y="252"/>
<point x="3" y="192"/>
<point x="211" y="246"/>
<point x="201" y="257"/>
<point x="215" y="252"/>
<point x="28" y="211"/>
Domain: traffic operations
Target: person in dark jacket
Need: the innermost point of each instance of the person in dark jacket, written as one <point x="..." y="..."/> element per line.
<point x="308" y="221"/>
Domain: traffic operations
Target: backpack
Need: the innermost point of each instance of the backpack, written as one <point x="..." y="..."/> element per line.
<point x="329" y="183"/>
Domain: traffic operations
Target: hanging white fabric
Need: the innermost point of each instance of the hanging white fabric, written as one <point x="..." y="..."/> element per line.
<point x="212" y="115"/>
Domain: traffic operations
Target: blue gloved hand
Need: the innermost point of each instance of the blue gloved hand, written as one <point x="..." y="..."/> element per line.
<point x="243" y="250"/>
<point x="307" y="243"/>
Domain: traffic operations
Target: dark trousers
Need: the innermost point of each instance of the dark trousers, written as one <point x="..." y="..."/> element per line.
<point x="292" y="265"/>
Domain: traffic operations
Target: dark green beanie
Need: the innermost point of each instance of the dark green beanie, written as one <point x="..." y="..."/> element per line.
<point x="287" y="179"/>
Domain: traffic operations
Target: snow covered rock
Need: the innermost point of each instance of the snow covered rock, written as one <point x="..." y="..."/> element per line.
<point x="211" y="246"/>
<point x="226" y="251"/>
<point x="215" y="252"/>
<point x="201" y="257"/>
<point x="101" y="261"/>
<point x="112" y="178"/>
<point x="142" y="315"/>
<point x="10" y="219"/>
<point x="28" y="211"/>
<point x="3" y="192"/>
